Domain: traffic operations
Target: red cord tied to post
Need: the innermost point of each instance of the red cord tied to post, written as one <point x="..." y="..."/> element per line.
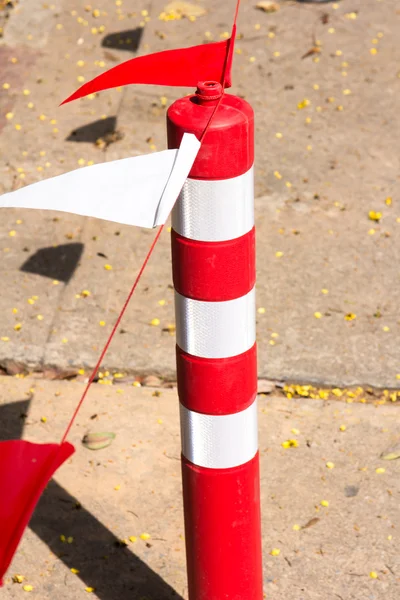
<point x="26" y="467"/>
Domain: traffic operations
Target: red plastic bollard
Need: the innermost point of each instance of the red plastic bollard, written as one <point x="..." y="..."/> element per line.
<point x="213" y="262"/>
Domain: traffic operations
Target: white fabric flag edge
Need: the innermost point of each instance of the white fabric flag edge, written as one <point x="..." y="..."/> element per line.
<point x="140" y="190"/>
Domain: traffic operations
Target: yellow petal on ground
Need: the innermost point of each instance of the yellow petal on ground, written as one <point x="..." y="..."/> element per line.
<point x="324" y="503"/>
<point x="342" y="428"/>
<point x="303" y="104"/>
<point x="155" y="322"/>
<point x="373" y="575"/>
<point x="290" y="444"/>
<point x="279" y="254"/>
<point x="18" y="578"/>
<point x="350" y="317"/>
<point x="380" y="470"/>
<point x="318" y="315"/>
<point x="145" y="536"/>
<point x="74" y="571"/>
<point x="27" y="588"/>
<point x="275" y="552"/>
<point x="108" y="267"/>
<point x="89" y="590"/>
<point x="330" y="465"/>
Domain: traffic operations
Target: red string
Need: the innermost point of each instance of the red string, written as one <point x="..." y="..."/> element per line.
<point x="93" y="375"/>
<point x="125" y="306"/>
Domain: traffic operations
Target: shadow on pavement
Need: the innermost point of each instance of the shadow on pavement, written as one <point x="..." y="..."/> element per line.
<point x="124" y="40"/>
<point x="94" y="131"/>
<point x="57" y="263"/>
<point x="113" y="570"/>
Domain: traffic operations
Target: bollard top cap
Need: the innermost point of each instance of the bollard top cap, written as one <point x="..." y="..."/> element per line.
<point x="208" y="92"/>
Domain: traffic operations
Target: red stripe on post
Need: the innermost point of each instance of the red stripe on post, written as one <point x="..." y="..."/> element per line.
<point x="217" y="386"/>
<point x="222" y="527"/>
<point x="213" y="271"/>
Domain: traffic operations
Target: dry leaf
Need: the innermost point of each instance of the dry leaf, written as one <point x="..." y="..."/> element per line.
<point x="268" y="6"/>
<point x="184" y="9"/>
<point x="391" y="453"/>
<point x="312" y="51"/>
<point x="98" y="441"/>
<point x="311" y="522"/>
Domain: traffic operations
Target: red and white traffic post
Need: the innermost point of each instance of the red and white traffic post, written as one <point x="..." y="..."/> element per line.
<point x="213" y="262"/>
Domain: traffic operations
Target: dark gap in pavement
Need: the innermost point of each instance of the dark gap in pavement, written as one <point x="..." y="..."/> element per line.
<point x="57" y="263"/>
<point x="123" y="575"/>
<point x="93" y="131"/>
<point x="124" y="40"/>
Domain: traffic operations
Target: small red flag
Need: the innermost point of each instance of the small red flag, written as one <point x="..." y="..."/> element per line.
<point x="25" y="470"/>
<point x="183" y="67"/>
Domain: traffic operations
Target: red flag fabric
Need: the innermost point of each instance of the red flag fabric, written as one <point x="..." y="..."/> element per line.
<point x="25" y="470"/>
<point x="178" y="67"/>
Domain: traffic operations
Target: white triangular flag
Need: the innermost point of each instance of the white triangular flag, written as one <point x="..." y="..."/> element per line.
<point x="140" y="191"/>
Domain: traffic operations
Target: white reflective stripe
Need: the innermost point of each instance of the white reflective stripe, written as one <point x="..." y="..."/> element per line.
<point x="219" y="441"/>
<point x="215" y="211"/>
<point x="215" y="329"/>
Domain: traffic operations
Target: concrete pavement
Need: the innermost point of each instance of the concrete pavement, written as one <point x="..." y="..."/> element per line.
<point x="326" y="156"/>
<point x="346" y="549"/>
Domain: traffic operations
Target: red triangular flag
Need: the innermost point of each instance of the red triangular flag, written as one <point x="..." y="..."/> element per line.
<point x="25" y="470"/>
<point x="178" y="67"/>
